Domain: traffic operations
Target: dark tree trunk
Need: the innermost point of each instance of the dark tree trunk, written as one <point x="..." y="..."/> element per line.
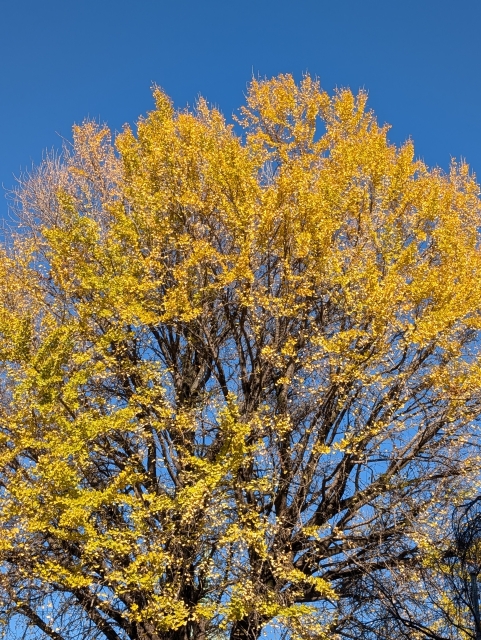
<point x="191" y="631"/>
<point x="248" y="628"/>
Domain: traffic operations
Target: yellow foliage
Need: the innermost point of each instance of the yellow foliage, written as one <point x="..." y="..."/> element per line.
<point x="206" y="334"/>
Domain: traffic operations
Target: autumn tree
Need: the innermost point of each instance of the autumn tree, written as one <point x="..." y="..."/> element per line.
<point x="240" y="368"/>
<point x="439" y="600"/>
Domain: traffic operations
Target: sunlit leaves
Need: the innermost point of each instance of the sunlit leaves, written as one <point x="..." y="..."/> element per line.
<point x="237" y="365"/>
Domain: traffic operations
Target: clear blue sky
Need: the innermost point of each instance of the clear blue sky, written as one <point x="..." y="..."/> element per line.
<point x="64" y="60"/>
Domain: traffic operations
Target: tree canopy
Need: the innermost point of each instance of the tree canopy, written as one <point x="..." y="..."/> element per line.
<point x="240" y="374"/>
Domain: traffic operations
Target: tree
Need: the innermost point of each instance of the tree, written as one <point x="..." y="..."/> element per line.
<point x="440" y="599"/>
<point x="236" y="371"/>
<point x="435" y="599"/>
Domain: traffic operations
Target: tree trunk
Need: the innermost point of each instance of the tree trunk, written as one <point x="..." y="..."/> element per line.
<point x="248" y="628"/>
<point x="191" y="631"/>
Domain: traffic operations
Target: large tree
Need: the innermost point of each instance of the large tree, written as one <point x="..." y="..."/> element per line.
<point x="237" y="367"/>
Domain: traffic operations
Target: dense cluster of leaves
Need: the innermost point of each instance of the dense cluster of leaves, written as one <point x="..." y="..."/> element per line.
<point x="239" y="374"/>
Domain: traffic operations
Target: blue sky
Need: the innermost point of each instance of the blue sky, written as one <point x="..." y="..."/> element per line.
<point x="64" y="60"/>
